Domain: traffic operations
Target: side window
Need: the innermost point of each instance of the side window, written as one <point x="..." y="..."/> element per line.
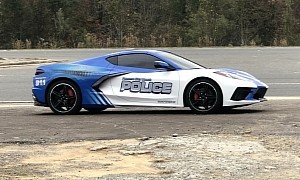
<point x="113" y="60"/>
<point x="137" y="61"/>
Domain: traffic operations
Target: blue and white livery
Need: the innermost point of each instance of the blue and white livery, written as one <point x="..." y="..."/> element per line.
<point x="149" y="78"/>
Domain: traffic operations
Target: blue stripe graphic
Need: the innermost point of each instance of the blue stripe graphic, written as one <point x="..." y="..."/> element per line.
<point x="95" y="99"/>
<point x="99" y="98"/>
<point x="107" y="100"/>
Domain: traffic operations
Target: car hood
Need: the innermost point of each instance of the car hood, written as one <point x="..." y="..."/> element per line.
<point x="237" y="74"/>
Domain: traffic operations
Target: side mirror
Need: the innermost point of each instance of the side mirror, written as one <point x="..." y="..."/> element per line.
<point x="163" y="65"/>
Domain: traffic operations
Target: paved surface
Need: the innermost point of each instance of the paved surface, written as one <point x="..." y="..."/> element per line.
<point x="26" y="124"/>
<point x="255" y="142"/>
<point x="278" y="67"/>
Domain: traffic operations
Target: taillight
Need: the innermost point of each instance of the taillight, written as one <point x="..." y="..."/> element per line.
<point x="39" y="71"/>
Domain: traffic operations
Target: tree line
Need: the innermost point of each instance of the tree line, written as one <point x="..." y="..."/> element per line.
<point x="143" y="23"/>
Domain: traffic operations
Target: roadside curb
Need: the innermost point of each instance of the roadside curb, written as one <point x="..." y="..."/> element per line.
<point x="14" y="62"/>
<point x="16" y="102"/>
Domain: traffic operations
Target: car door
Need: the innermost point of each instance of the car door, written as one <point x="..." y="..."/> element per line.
<point x="144" y="84"/>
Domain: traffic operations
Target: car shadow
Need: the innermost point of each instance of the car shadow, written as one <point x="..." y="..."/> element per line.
<point x="163" y="112"/>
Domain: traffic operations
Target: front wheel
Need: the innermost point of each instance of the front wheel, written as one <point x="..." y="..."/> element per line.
<point x="204" y="96"/>
<point x="64" y="97"/>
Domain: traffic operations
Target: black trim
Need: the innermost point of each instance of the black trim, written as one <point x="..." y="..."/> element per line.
<point x="260" y="93"/>
<point x="240" y="93"/>
<point x="104" y="78"/>
<point x="36" y="102"/>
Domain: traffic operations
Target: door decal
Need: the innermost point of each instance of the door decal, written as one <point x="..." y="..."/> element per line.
<point x="145" y="85"/>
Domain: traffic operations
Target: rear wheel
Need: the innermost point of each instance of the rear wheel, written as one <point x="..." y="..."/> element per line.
<point x="204" y="96"/>
<point x="64" y="97"/>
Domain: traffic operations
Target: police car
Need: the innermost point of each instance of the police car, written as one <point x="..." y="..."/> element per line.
<point x="148" y="78"/>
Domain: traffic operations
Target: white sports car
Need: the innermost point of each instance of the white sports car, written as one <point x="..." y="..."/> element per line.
<point x="149" y="78"/>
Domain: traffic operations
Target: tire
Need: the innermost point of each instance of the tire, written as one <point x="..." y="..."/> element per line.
<point x="95" y="110"/>
<point x="64" y="97"/>
<point x="204" y="96"/>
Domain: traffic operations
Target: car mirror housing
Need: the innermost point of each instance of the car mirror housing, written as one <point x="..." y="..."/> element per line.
<point x="163" y="65"/>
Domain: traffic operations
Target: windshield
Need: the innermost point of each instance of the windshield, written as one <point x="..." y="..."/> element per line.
<point x="181" y="61"/>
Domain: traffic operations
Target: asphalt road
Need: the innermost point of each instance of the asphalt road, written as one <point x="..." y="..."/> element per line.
<point x="278" y="67"/>
<point x="27" y="124"/>
<point x="22" y="123"/>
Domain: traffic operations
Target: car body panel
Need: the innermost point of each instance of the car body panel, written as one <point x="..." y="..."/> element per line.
<point x="149" y="92"/>
<point x="103" y="84"/>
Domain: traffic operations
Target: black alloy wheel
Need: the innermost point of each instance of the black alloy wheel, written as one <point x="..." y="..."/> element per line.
<point x="64" y="97"/>
<point x="204" y="96"/>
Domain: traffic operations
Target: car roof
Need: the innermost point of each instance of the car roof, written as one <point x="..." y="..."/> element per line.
<point x="133" y="52"/>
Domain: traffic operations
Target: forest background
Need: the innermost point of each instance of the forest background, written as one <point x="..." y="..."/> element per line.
<point x="26" y="24"/>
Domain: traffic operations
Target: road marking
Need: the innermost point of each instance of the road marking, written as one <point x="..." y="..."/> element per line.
<point x="19" y="75"/>
<point x="16" y="102"/>
<point x="283" y="98"/>
<point x="292" y="83"/>
<point x="15" y="105"/>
